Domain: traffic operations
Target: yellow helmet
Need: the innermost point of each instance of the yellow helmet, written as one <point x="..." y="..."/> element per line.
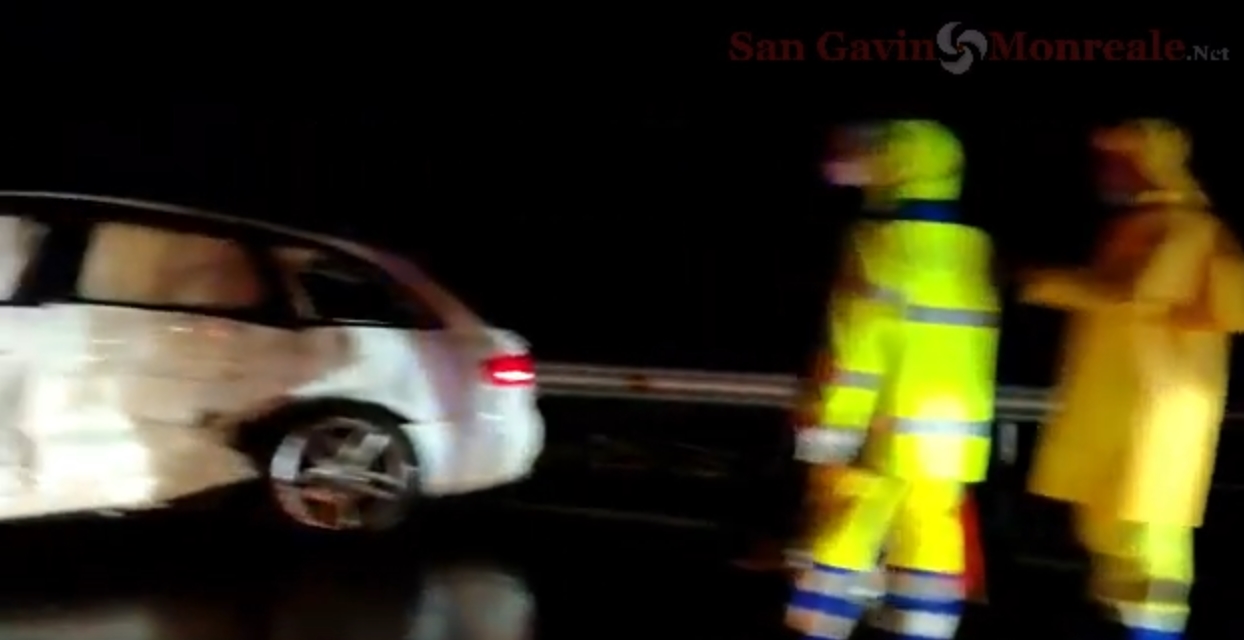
<point x="1156" y="153"/>
<point x="899" y="160"/>
<point x="926" y="160"/>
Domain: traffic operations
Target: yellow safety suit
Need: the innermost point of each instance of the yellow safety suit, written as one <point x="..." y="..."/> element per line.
<point x="850" y="307"/>
<point x="1143" y="381"/>
<point x="913" y="387"/>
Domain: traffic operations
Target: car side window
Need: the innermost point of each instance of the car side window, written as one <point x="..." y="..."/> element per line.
<point x="20" y="240"/>
<point x="150" y="266"/>
<point x="338" y="289"/>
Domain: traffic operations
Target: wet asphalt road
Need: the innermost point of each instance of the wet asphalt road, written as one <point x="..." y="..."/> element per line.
<point x="226" y="573"/>
<point x="195" y="577"/>
<point x="182" y="577"/>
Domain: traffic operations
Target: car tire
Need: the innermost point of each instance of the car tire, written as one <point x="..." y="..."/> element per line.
<point x="340" y="466"/>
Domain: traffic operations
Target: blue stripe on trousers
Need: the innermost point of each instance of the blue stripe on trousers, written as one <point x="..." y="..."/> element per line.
<point x="948" y="607"/>
<point x="829" y="604"/>
<point x="1134" y="633"/>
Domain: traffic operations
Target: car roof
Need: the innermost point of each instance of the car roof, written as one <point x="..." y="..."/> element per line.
<point x="184" y="212"/>
<point x="407" y="272"/>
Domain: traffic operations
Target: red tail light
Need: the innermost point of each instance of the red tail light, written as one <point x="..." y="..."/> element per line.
<point x="510" y="371"/>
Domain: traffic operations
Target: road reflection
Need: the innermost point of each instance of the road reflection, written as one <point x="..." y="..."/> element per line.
<point x="474" y="603"/>
<point x="88" y="622"/>
<point x="460" y="602"/>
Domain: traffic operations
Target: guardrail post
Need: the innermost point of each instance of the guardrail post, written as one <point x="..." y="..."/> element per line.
<point x="1007" y="447"/>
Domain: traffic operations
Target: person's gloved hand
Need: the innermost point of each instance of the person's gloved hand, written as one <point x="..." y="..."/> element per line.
<point x="822" y="445"/>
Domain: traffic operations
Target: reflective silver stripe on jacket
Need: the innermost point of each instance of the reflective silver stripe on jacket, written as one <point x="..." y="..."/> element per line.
<point x="855" y="379"/>
<point x="936" y="427"/>
<point x="933" y="315"/>
<point x="828" y="445"/>
<point x="879" y="293"/>
<point x="844" y="433"/>
<point x="946" y="315"/>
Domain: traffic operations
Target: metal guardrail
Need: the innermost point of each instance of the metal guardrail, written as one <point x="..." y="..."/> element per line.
<point x="1017" y="407"/>
<point x="748" y="389"/>
<point x="1014" y="403"/>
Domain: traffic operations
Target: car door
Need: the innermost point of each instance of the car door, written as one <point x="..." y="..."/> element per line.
<point x="20" y="242"/>
<point x="368" y="341"/>
<point x="145" y="333"/>
<point x="390" y="347"/>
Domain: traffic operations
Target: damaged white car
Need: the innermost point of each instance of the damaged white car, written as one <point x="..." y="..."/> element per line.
<point x="150" y="352"/>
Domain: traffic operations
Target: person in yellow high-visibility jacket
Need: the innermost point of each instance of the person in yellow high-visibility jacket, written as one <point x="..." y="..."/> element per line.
<point x="909" y="407"/>
<point x="1144" y="377"/>
<point x="849" y="309"/>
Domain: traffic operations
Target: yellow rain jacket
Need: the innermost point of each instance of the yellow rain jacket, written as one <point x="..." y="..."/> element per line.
<point x="1145" y="362"/>
<point x="848" y="370"/>
<point x="935" y="411"/>
<point x="858" y="312"/>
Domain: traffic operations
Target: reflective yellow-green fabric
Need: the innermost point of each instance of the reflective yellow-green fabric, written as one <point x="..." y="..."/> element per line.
<point x="850" y="370"/>
<point x="931" y="335"/>
<point x="936" y="407"/>
<point x="860" y="316"/>
<point x="915" y="521"/>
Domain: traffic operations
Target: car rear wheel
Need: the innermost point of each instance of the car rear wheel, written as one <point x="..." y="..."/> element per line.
<point x="344" y="471"/>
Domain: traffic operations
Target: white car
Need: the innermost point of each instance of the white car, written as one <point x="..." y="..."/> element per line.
<point x="150" y="352"/>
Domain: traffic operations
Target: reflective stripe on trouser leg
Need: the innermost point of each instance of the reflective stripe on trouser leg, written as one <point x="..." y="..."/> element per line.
<point x="1153" y="621"/>
<point x="921" y="605"/>
<point x="824" y="604"/>
<point x="1150" y="609"/>
<point x="1143" y="574"/>
<point x="926" y="558"/>
<point x="830" y="597"/>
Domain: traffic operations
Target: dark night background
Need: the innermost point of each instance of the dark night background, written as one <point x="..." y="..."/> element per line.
<point x="616" y="190"/>
<point x="607" y="183"/>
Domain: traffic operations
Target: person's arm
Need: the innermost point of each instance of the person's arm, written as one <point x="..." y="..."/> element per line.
<point x="1169" y="277"/>
<point x="1068" y="289"/>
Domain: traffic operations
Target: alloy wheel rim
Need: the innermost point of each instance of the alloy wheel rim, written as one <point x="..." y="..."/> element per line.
<point x="342" y="473"/>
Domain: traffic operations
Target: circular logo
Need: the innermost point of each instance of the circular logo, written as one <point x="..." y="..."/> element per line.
<point x="960" y="52"/>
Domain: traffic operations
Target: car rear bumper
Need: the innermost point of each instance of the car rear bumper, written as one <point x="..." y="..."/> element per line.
<point x="493" y="451"/>
<point x="520" y="447"/>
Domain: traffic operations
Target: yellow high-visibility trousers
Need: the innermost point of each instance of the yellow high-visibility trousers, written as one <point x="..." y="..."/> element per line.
<point x="1142" y="573"/>
<point x="918" y="524"/>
